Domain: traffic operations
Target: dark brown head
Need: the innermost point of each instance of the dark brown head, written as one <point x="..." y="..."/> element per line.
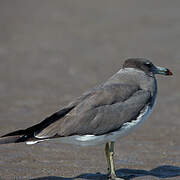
<point x="146" y="65"/>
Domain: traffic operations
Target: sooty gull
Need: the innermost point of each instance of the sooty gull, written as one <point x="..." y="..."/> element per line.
<point x="103" y="114"/>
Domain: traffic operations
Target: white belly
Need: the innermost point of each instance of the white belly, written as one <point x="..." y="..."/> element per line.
<point x="89" y="140"/>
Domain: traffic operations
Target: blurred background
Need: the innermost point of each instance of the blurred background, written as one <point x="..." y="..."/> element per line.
<point x="52" y="51"/>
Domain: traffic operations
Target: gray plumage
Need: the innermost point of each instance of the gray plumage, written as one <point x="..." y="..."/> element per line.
<point x="102" y="110"/>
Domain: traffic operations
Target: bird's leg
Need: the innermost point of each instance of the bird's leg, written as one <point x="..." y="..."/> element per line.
<point x="109" y="149"/>
<point x="111" y="160"/>
<point x="107" y="156"/>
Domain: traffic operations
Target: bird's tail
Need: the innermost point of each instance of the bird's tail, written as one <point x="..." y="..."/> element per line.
<point x="13" y="137"/>
<point x="29" y="135"/>
<point x="21" y="136"/>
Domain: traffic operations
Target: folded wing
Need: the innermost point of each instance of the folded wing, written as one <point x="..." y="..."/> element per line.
<point x="102" y="110"/>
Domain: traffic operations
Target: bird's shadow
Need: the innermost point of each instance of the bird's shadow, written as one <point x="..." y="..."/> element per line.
<point x="166" y="171"/>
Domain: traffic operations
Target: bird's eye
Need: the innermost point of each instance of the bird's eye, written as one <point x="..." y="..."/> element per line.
<point x="148" y="64"/>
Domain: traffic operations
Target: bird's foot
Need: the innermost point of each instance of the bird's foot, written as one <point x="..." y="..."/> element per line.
<point x="114" y="177"/>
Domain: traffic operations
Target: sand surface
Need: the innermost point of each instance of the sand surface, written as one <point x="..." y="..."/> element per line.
<point x="52" y="51"/>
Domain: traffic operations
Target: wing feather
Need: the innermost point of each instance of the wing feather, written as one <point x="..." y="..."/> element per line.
<point x="103" y="110"/>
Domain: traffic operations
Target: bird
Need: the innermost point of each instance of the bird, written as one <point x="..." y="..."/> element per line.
<point x="102" y="114"/>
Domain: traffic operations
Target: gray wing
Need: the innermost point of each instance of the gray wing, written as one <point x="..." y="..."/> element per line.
<point x="99" y="111"/>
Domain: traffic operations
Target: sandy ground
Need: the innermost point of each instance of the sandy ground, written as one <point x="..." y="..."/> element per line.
<point x="52" y="51"/>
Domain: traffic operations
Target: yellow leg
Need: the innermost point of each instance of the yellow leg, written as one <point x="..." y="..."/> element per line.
<point x="107" y="156"/>
<point x="109" y="149"/>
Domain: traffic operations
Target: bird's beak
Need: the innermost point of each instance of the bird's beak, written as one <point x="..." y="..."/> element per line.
<point x="163" y="71"/>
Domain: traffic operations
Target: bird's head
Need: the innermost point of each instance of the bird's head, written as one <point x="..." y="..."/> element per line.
<point x="147" y="66"/>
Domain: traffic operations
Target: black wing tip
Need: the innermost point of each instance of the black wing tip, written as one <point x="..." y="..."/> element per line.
<point x="14" y="133"/>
